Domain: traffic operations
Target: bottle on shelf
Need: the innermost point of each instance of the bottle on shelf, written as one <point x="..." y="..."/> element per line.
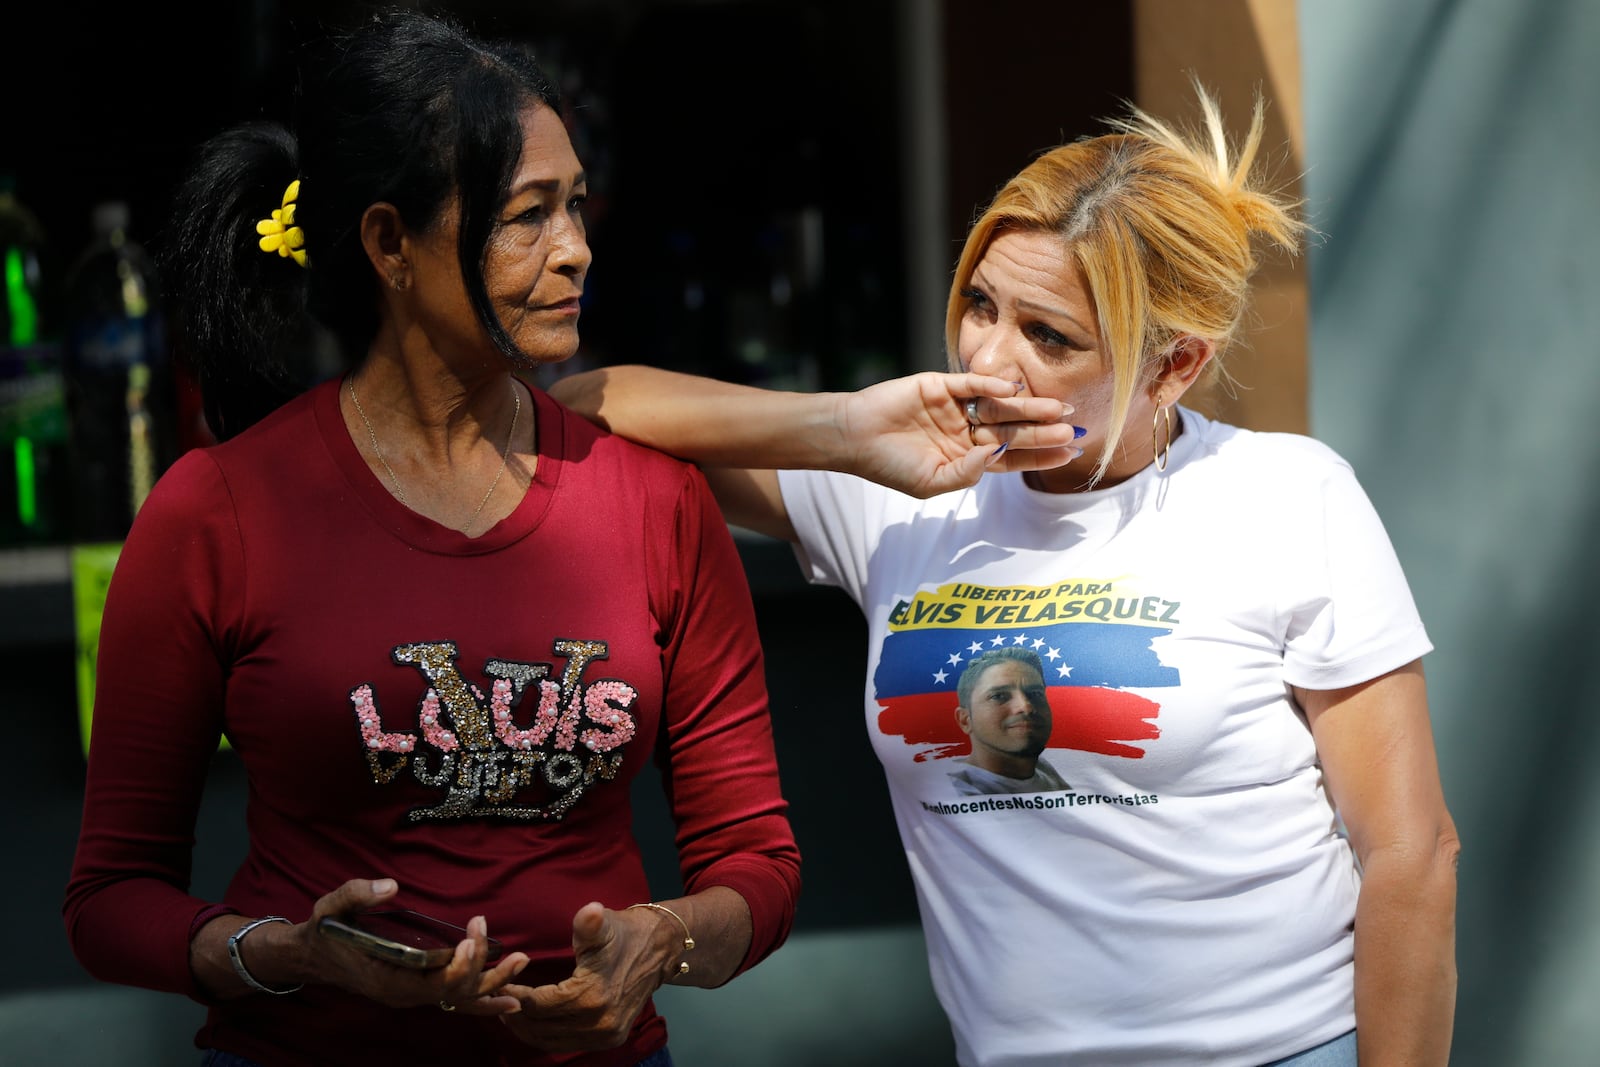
<point x="33" y="416"/>
<point x="122" y="403"/>
<point x="121" y="393"/>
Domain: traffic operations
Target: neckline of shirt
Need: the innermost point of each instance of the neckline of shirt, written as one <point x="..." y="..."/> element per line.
<point x="418" y="530"/>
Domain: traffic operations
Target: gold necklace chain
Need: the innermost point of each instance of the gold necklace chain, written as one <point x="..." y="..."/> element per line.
<point x="400" y="492"/>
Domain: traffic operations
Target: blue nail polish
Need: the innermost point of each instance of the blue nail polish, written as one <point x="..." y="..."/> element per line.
<point x="997" y="453"/>
<point x="1079" y="431"/>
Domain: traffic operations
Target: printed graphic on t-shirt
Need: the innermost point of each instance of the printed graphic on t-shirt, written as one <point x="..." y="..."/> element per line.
<point x="1091" y="641"/>
<point x="468" y="744"/>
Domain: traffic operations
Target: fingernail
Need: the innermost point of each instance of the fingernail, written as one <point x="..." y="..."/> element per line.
<point x="1078" y="431"/>
<point x="383" y="885"/>
<point x="1017" y="386"/>
<point x="997" y="453"/>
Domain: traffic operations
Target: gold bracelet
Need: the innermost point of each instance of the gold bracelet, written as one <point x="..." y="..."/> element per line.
<point x="688" y="938"/>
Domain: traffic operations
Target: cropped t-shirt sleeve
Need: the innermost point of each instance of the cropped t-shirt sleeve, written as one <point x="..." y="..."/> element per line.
<point x="1352" y="617"/>
<point x="831" y="552"/>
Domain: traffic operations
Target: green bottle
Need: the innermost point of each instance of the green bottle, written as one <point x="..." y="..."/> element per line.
<point x="120" y="394"/>
<point x="33" y="415"/>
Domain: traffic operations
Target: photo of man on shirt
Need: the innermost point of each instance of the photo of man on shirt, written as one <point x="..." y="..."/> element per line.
<point x="1004" y="711"/>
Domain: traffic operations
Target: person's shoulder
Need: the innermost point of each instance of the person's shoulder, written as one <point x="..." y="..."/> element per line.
<point x="280" y="429"/>
<point x="191" y="490"/>
<point x="965" y="781"/>
<point x="583" y="438"/>
<point x="625" y="468"/>
<point x="195" y="468"/>
<point x="1267" y="451"/>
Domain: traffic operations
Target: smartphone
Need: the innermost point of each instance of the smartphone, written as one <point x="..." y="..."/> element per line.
<point x="408" y="938"/>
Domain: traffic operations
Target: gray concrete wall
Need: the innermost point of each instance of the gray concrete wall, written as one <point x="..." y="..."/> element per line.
<point x="1454" y="168"/>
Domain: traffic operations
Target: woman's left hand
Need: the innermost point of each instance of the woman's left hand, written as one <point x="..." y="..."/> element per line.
<point x="916" y="434"/>
<point x="620" y="964"/>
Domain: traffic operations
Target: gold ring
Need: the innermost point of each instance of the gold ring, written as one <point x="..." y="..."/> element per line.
<point x="445" y="1005"/>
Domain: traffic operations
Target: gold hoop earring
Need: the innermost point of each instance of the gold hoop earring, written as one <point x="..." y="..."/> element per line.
<point x="1162" y="448"/>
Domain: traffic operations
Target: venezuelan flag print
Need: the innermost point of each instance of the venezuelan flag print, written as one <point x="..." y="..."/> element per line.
<point x="1093" y="639"/>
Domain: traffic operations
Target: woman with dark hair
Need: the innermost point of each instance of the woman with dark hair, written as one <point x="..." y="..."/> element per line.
<point x="442" y="621"/>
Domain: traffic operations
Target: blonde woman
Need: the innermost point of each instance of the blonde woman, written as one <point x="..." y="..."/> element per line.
<point x="1254" y="863"/>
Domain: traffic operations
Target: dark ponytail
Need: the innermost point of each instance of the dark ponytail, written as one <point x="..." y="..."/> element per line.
<point x="238" y="309"/>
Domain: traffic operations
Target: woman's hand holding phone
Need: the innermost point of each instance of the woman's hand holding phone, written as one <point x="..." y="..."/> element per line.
<point x="460" y="978"/>
<point x="401" y="936"/>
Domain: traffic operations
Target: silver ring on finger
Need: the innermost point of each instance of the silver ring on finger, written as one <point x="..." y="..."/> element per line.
<point x="972" y="413"/>
<point x="445" y="1005"/>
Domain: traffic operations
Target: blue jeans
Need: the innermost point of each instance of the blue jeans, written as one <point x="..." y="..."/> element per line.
<point x="1340" y="1052"/>
<point x="213" y="1058"/>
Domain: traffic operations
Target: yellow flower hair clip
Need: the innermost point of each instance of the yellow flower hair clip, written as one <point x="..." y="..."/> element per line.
<point x="279" y="233"/>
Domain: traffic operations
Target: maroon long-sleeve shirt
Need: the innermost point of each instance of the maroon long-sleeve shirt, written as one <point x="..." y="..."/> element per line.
<point x="464" y="715"/>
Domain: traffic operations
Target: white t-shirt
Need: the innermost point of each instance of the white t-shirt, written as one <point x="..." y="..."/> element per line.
<point x="1188" y="898"/>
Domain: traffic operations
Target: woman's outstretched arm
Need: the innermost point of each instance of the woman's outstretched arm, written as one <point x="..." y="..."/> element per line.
<point x="910" y="433"/>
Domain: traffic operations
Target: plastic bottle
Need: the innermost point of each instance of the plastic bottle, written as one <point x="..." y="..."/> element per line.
<point x="120" y="392"/>
<point x="33" y="417"/>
